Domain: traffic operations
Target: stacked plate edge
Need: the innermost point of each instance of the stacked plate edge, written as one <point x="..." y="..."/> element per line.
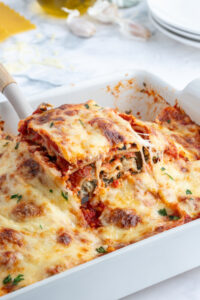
<point x="178" y="19"/>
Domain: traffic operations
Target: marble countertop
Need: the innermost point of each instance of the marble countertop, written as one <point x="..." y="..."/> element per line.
<point x="50" y="56"/>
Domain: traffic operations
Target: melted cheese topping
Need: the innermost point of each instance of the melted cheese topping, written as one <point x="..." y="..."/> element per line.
<point x="96" y="129"/>
<point x="45" y="228"/>
<point x="52" y="235"/>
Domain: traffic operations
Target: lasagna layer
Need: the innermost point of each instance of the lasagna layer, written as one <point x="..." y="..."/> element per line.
<point x="79" y="134"/>
<point x="81" y="181"/>
<point x="91" y="145"/>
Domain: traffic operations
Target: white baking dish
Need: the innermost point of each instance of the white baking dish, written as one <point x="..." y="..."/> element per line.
<point x="144" y="263"/>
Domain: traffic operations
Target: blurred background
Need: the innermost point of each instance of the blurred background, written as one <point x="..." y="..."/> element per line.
<point x="52" y="55"/>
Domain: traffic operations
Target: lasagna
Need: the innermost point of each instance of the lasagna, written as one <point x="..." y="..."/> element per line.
<point x="80" y="181"/>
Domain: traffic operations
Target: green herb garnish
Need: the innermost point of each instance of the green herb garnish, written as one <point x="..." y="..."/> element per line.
<point x="17" y="279"/>
<point x="168" y="121"/>
<point x="6" y="144"/>
<point x="188" y="192"/>
<point x="64" y="195"/>
<point x="174" y="218"/>
<point x="163" y="169"/>
<point x="17" y="145"/>
<point x="81" y="122"/>
<point x="162" y="212"/>
<point x="41" y="226"/>
<point x="51" y="124"/>
<point x="101" y="250"/>
<point x="7" y="279"/>
<point x="87" y="106"/>
<point x="168" y="176"/>
<point x="50" y="191"/>
<point x="18" y="196"/>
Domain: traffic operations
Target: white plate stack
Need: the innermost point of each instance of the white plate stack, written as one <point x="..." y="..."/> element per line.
<point x="178" y="19"/>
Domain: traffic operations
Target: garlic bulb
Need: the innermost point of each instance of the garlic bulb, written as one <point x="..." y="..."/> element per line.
<point x="108" y="13"/>
<point x="78" y="25"/>
<point x="133" y="30"/>
<point x="104" y="12"/>
<point x="82" y="27"/>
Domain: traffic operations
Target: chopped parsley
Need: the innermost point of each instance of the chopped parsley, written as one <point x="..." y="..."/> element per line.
<point x="101" y="250"/>
<point x="17" y="145"/>
<point x="6" y="144"/>
<point x="50" y="191"/>
<point x="51" y="124"/>
<point x="174" y="218"/>
<point x="41" y="226"/>
<point x="163" y="169"/>
<point x="87" y="106"/>
<point x="7" y="279"/>
<point x="15" y="281"/>
<point x="169" y="121"/>
<point x="168" y="176"/>
<point x="188" y="192"/>
<point x="81" y="122"/>
<point x="162" y="212"/>
<point x="17" y="196"/>
<point x="7" y="137"/>
<point x="64" y="195"/>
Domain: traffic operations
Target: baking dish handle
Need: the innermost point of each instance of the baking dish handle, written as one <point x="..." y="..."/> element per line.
<point x="193" y="88"/>
<point x="190" y="100"/>
<point x="10" y="89"/>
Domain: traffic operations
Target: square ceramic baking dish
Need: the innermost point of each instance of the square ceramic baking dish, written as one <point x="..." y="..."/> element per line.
<point x="144" y="263"/>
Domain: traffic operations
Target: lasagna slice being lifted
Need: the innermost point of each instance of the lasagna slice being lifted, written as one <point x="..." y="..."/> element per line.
<point x="91" y="146"/>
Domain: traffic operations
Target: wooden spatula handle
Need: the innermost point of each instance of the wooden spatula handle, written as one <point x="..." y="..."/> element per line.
<point x="12" y="92"/>
<point x="5" y="78"/>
